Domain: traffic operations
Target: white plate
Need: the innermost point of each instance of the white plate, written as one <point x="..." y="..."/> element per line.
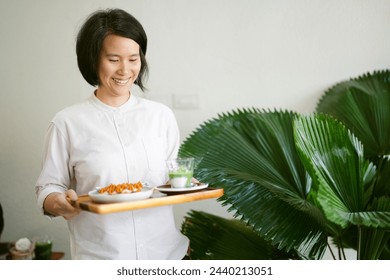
<point x="111" y="198"/>
<point x="167" y="189"/>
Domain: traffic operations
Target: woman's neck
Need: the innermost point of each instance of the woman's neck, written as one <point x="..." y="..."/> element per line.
<point x="113" y="101"/>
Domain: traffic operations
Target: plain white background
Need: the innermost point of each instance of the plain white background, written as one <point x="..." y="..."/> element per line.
<point x="218" y="55"/>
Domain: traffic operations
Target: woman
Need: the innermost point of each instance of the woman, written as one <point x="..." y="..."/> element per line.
<point x="111" y="138"/>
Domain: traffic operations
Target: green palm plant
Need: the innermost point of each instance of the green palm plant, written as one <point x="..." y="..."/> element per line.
<point x="284" y="176"/>
<point x="363" y="105"/>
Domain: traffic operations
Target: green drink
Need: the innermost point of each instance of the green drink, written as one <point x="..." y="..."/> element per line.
<point x="180" y="172"/>
<point x="43" y="249"/>
<point x="180" y="178"/>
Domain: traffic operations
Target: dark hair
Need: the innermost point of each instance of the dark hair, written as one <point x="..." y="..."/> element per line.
<point x="96" y="28"/>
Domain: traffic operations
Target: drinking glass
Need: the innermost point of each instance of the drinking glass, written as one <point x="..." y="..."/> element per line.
<point x="180" y="172"/>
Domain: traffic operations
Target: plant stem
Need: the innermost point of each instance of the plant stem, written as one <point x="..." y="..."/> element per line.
<point x="343" y="251"/>
<point x="330" y="250"/>
<point x="359" y="243"/>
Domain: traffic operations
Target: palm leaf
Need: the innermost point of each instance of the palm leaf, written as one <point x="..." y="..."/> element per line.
<point x="251" y="154"/>
<point x="217" y="238"/>
<point x="342" y="172"/>
<point x="335" y="159"/>
<point x="363" y="105"/>
<point x="382" y="183"/>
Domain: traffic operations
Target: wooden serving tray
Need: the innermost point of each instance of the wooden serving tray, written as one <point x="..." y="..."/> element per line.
<point x="84" y="202"/>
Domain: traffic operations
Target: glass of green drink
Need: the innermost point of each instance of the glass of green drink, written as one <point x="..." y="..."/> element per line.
<point x="43" y="248"/>
<point x="180" y="172"/>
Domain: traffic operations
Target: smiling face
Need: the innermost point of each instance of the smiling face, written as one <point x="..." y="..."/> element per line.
<point x="119" y="66"/>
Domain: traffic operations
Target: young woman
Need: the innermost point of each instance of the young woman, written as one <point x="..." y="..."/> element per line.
<point x="112" y="137"/>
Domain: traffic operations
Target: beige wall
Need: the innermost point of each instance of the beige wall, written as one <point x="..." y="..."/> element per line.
<point x="224" y="54"/>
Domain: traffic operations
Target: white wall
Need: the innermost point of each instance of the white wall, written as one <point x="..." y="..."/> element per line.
<point x="228" y="54"/>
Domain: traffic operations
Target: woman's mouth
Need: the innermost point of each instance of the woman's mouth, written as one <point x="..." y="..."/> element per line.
<point x="120" y="82"/>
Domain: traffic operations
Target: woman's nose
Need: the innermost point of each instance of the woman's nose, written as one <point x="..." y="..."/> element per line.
<point x="124" y="68"/>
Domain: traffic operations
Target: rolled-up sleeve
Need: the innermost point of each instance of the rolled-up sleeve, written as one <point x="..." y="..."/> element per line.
<point x="55" y="174"/>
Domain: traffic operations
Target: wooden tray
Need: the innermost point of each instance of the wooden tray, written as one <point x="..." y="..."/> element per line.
<point x="84" y="202"/>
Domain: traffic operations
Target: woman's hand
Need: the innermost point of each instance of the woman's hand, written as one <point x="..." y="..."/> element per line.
<point x="57" y="204"/>
<point x="194" y="181"/>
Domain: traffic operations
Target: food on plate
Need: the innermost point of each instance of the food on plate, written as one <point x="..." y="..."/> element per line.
<point x="121" y="188"/>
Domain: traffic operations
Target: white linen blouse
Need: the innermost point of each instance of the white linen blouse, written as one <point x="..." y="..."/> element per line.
<point x="91" y="145"/>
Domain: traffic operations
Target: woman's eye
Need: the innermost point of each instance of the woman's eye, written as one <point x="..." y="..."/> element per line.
<point x="113" y="60"/>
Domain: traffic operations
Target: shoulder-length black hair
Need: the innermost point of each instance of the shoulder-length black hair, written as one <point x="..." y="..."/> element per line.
<point x="96" y="28"/>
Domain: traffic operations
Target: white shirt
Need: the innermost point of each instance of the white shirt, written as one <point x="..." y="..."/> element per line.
<point x="91" y="145"/>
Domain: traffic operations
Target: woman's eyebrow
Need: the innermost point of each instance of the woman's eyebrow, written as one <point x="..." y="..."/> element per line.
<point x="117" y="55"/>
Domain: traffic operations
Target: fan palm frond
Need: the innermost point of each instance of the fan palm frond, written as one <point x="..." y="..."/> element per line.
<point x="251" y="154"/>
<point x="296" y="180"/>
<point x="217" y="238"/>
<point x="363" y="105"/>
<point x="344" y="180"/>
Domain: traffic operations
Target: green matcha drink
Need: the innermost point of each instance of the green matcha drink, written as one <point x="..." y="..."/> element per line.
<point x="43" y="249"/>
<point x="180" y="178"/>
<point x="180" y="172"/>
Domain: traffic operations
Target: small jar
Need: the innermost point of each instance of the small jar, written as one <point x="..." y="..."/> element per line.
<point x="23" y="249"/>
<point x="21" y="255"/>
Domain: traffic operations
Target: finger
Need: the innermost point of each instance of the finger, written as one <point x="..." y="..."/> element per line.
<point x="72" y="195"/>
<point x="194" y="180"/>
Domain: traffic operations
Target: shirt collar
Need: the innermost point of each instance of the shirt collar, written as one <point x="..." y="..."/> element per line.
<point x="130" y="103"/>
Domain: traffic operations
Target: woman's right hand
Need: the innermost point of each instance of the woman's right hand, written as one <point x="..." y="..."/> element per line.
<point x="58" y="204"/>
